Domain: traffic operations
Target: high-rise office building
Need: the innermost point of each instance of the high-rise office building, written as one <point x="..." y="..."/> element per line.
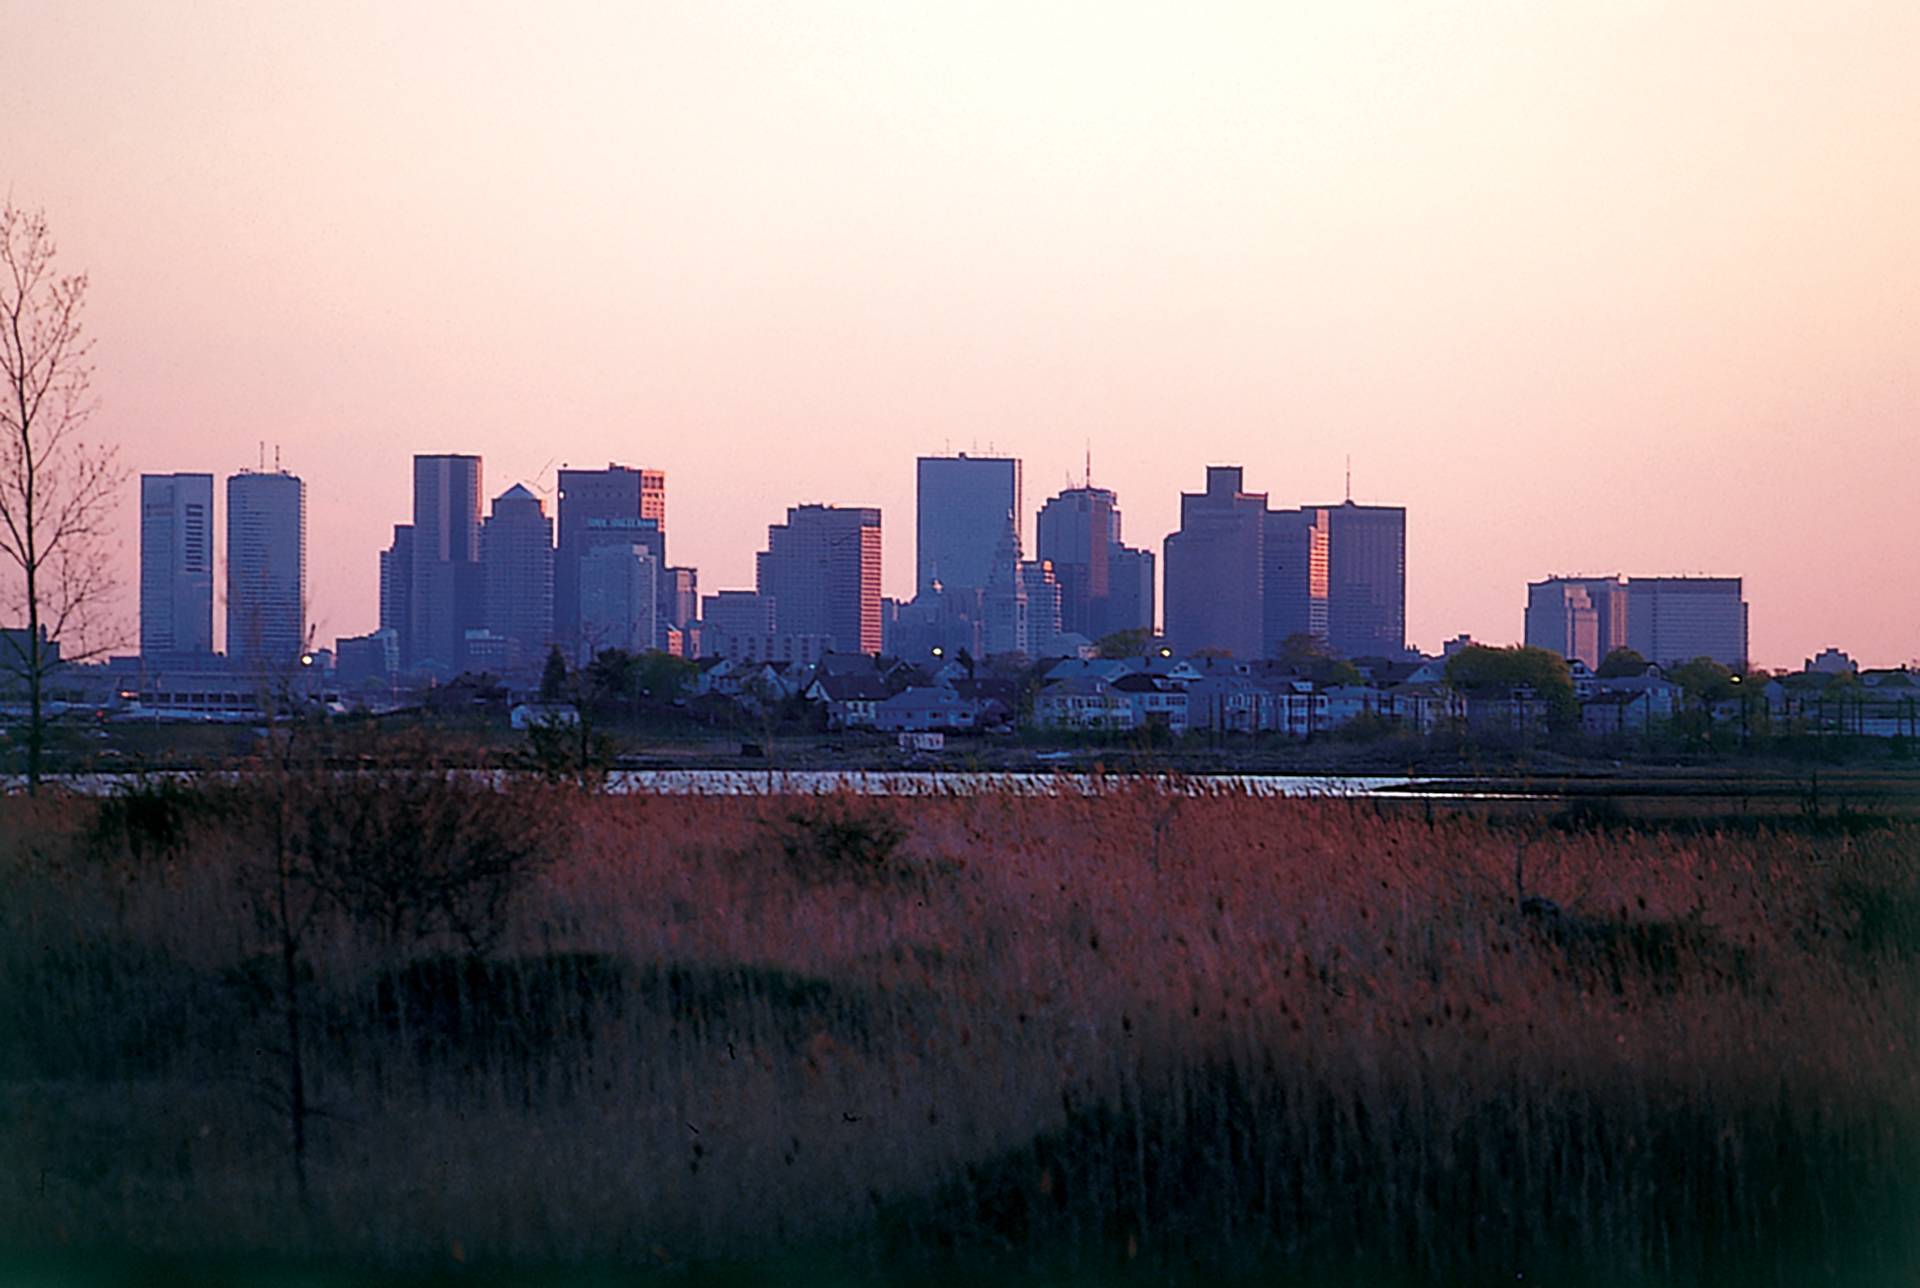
<point x="266" y="567"/>
<point x="1042" y="594"/>
<point x="1078" y="532"/>
<point x="680" y="597"/>
<point x="961" y="509"/>
<point x="1671" y="620"/>
<point x="604" y="499"/>
<point x="1008" y="629"/>
<point x="1216" y="568"/>
<point x="822" y="569"/>
<point x="1132" y="580"/>
<point x="516" y="549"/>
<point x="1561" y="619"/>
<point x="619" y="598"/>
<point x="737" y="612"/>
<point x="1297" y="571"/>
<point x="176" y="564"/>
<point x="396" y="593"/>
<point x="1366" y="579"/>
<point x="449" y="590"/>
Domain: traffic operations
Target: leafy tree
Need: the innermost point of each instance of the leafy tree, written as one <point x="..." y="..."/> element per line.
<point x="609" y="678"/>
<point x="57" y="493"/>
<point x="1308" y="655"/>
<point x="553" y="679"/>
<point x="1620" y="664"/>
<point x="1478" y="669"/>
<point x="1704" y="680"/>
<point x="1129" y="643"/>
<point x="662" y="677"/>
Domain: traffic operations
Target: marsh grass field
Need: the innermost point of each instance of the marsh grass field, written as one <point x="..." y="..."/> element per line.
<point x="410" y="1026"/>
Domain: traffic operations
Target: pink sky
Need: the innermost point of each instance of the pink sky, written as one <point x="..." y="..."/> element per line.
<point x="1601" y="287"/>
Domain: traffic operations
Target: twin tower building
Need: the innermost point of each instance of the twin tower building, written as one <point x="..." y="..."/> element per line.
<point x="266" y="581"/>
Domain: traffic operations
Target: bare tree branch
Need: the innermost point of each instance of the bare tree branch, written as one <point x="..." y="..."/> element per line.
<point x="56" y="491"/>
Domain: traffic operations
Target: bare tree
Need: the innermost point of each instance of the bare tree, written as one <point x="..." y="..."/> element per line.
<point x="56" y="492"/>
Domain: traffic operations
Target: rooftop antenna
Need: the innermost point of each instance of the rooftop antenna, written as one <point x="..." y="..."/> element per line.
<point x="1087" y="481"/>
<point x="276" y="458"/>
<point x="1349" y="478"/>
<point x="263" y="454"/>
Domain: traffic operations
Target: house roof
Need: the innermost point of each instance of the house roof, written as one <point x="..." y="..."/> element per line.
<point x="1077" y="684"/>
<point x="1146" y="684"/>
<point x="852" y="688"/>
<point x="923" y="697"/>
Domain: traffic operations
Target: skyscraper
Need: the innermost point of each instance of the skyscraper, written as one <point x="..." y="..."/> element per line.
<point x="1296" y="555"/>
<point x="822" y="569"/>
<point x="516" y="548"/>
<point x="1561" y="619"/>
<point x="1078" y="531"/>
<point x="449" y="591"/>
<point x="396" y="592"/>
<point x="1366" y="579"/>
<point x="961" y="510"/>
<point x="1677" y="619"/>
<point x="605" y="499"/>
<point x="266" y="567"/>
<point x="1132" y="579"/>
<point x="737" y="612"/>
<point x="618" y="598"/>
<point x="1216" y="568"/>
<point x="176" y="563"/>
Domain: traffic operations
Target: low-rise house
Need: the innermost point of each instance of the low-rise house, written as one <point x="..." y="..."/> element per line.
<point x="1154" y="701"/>
<point x="1346" y="703"/>
<point x="1870" y="704"/>
<point x="923" y="709"/>
<point x="1630" y="704"/>
<point x="1106" y="668"/>
<point x="1290" y="704"/>
<point x="850" y="700"/>
<point x="1224" y="702"/>
<point x="1516" y="710"/>
<point x="546" y="715"/>
<point x="1082" y="702"/>
<point x="1427" y="707"/>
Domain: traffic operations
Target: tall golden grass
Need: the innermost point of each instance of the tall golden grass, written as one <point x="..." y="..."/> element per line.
<point x="1082" y="1033"/>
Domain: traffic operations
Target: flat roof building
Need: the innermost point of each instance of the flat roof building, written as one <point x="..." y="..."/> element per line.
<point x="961" y="508"/>
<point x="176" y="564"/>
<point x="822" y="570"/>
<point x="1216" y="568"/>
<point x="266" y="567"/>
<point x="1677" y="619"/>
<point x="448" y="595"/>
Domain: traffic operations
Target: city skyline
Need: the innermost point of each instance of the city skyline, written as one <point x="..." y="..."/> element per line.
<point x="1603" y="319"/>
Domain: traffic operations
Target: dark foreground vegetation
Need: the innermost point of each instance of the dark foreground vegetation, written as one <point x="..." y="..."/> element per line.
<point x="411" y="1023"/>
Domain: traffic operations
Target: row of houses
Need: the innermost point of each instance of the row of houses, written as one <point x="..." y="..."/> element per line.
<point x="1223" y="695"/>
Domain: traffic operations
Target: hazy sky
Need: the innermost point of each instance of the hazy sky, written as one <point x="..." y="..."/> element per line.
<point x="1587" y="287"/>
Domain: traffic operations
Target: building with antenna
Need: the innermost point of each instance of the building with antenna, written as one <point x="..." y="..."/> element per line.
<point x="1103" y="585"/>
<point x="266" y="567"/>
<point x="961" y="508"/>
<point x="1366" y="578"/>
